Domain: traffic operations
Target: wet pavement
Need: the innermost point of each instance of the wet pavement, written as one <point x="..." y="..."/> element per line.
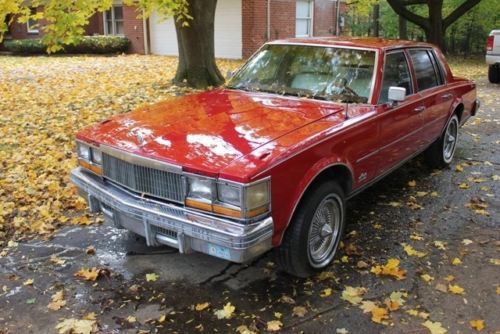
<point x="448" y="214"/>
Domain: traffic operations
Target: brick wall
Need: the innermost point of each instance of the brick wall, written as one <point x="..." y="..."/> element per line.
<point x="133" y="29"/>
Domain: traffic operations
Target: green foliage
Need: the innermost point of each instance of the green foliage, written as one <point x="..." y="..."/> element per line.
<point x="65" y="20"/>
<point x="81" y="45"/>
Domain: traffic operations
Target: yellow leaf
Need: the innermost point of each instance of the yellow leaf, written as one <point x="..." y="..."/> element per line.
<point x="422" y="193"/>
<point x="299" y="311"/>
<point x="244" y="330"/>
<point x="378" y="313"/>
<point x="202" y="306"/>
<point x="435" y="327"/>
<point x="496" y="262"/>
<point x="57" y="301"/>
<point x="162" y="318"/>
<point x="54" y="259"/>
<point x="326" y="292"/>
<point x="353" y="294"/>
<point x="274" y="325"/>
<point x="324" y="275"/>
<point x="456" y="261"/>
<point x="456" y="289"/>
<point x="29" y="281"/>
<point x="75" y="326"/>
<point x="412" y="183"/>
<point x="151" y="277"/>
<point x="459" y="168"/>
<point x="344" y="259"/>
<point x="416" y="237"/>
<point x="391" y="268"/>
<point x="427" y="277"/>
<point x="477" y="324"/>
<point x="463" y="185"/>
<point x="88" y="274"/>
<point x="131" y="319"/>
<point x="434" y="194"/>
<point x="411" y="251"/>
<point x="226" y="312"/>
<point x="439" y="245"/>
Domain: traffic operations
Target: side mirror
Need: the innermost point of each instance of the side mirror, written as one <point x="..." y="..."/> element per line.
<point x="396" y="94"/>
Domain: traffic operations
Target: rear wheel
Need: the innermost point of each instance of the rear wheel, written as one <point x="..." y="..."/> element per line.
<point x="441" y="152"/>
<point x="494" y="73"/>
<point x="311" y="241"/>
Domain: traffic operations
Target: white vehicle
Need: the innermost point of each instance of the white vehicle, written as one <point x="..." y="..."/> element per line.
<point x="493" y="56"/>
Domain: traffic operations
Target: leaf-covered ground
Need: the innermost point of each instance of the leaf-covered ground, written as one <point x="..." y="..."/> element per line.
<point x="43" y="102"/>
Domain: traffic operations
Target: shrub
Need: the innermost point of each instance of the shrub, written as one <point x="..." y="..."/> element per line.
<point x="86" y="44"/>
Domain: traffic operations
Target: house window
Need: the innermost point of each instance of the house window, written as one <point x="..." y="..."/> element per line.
<point x="31" y="24"/>
<point x="303" y="18"/>
<point x="113" y="20"/>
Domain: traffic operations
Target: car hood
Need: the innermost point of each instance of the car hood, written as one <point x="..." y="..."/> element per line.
<point x="206" y="131"/>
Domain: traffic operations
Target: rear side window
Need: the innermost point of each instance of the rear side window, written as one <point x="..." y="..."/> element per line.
<point x="426" y="69"/>
<point x="396" y="74"/>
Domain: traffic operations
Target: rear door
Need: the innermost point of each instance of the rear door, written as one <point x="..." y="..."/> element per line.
<point x="401" y="124"/>
<point x="431" y="85"/>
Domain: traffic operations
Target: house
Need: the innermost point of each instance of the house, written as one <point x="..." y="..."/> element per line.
<point x="241" y="26"/>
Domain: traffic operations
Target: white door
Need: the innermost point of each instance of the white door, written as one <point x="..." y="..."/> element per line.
<point x="228" y="32"/>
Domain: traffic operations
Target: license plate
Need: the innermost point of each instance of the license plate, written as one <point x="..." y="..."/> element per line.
<point x="219" y="251"/>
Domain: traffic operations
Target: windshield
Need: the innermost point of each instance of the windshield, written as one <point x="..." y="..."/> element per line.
<point x="320" y="72"/>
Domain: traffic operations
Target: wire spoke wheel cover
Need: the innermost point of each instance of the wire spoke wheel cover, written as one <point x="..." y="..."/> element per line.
<point x="450" y="140"/>
<point x="324" y="231"/>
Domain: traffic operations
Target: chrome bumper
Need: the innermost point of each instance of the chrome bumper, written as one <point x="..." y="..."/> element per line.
<point x="172" y="225"/>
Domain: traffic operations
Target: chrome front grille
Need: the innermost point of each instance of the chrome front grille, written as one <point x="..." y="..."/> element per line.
<point x="145" y="180"/>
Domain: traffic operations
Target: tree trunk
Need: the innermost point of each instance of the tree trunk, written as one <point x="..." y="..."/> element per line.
<point x="403" y="28"/>
<point x="197" y="65"/>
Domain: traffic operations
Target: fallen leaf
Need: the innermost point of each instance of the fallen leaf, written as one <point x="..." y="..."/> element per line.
<point x="496" y="262"/>
<point x="299" y="311"/>
<point x="202" y="306"/>
<point x="467" y="242"/>
<point x="412" y="183"/>
<point x="152" y="277"/>
<point x="88" y="274"/>
<point x="426" y="277"/>
<point x="75" y="326"/>
<point x="287" y="299"/>
<point x="243" y="329"/>
<point x="411" y="251"/>
<point x="56" y="260"/>
<point x="379" y="314"/>
<point x="391" y="268"/>
<point x="226" y="312"/>
<point x="131" y="319"/>
<point x="324" y="275"/>
<point x="274" y="325"/>
<point x="341" y="331"/>
<point x="439" y="245"/>
<point x="57" y="301"/>
<point x="477" y="324"/>
<point x="435" y="327"/>
<point x="463" y="185"/>
<point x="456" y="289"/>
<point x="31" y="301"/>
<point x="353" y="294"/>
<point x="456" y="261"/>
<point x="326" y="292"/>
<point x="29" y="281"/>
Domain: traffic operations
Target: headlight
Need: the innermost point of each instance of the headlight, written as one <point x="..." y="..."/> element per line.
<point x="227" y="198"/>
<point x="96" y="156"/>
<point x="230" y="194"/>
<point x="257" y="195"/>
<point x="83" y="151"/>
<point x="200" y="188"/>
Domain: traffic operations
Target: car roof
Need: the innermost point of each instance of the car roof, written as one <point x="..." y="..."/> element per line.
<point x="358" y="42"/>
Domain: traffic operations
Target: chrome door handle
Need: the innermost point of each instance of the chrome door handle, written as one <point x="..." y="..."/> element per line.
<point x="447" y="96"/>
<point x="419" y="109"/>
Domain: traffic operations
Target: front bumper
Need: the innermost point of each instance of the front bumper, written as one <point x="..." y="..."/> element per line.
<point x="173" y="225"/>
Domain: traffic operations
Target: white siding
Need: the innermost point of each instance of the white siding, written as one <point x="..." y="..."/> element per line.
<point x="228" y="32"/>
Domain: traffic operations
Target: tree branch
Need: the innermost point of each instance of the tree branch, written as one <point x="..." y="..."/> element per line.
<point x="457" y="13"/>
<point x="399" y="7"/>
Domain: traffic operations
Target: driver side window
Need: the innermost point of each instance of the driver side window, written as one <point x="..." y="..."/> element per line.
<point x="396" y="74"/>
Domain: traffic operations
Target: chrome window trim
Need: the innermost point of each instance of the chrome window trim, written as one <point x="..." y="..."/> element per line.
<point x="409" y="64"/>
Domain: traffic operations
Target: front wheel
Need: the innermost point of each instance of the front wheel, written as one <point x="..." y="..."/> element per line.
<point x="441" y="152"/>
<point x="312" y="239"/>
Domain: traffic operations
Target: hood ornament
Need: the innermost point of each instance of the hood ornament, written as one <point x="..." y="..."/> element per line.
<point x="140" y="139"/>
